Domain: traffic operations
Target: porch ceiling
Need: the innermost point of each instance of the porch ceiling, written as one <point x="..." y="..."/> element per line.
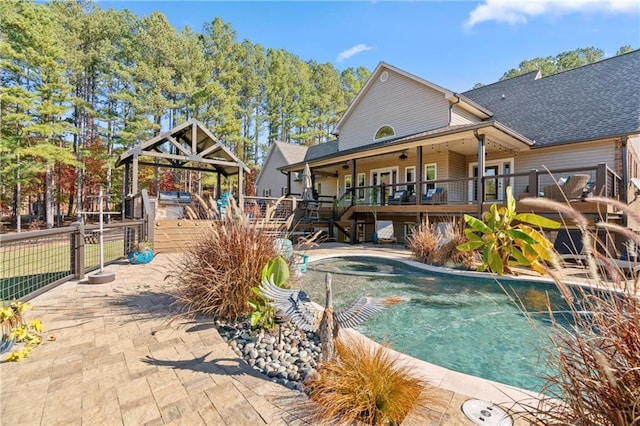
<point x="463" y="141"/>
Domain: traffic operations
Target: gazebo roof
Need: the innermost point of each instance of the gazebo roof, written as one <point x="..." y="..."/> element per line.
<point x="187" y="146"/>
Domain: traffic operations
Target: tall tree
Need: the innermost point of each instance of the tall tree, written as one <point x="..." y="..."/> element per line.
<point x="33" y="66"/>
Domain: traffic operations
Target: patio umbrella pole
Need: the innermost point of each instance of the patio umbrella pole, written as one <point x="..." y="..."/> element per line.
<point x="102" y="276"/>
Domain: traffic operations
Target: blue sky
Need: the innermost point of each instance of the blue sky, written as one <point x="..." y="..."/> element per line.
<point x="454" y="44"/>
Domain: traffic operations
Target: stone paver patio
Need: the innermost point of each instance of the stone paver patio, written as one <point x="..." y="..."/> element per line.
<point x="118" y="359"/>
<point x="112" y="356"/>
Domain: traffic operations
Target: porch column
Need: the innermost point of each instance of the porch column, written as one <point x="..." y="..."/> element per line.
<point x="288" y="184"/>
<point x="418" y="184"/>
<point x="480" y="181"/>
<point x="353" y="182"/>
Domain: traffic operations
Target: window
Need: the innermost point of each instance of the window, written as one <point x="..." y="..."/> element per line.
<point x="283" y="190"/>
<point x="266" y="192"/>
<point x="347" y="187"/>
<point x="410" y="176"/>
<point x="430" y="174"/>
<point x="361" y="184"/>
<point x="384" y="132"/>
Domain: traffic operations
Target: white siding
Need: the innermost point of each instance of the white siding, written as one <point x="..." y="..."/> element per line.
<point x="271" y="178"/>
<point x="460" y="116"/>
<point x="400" y="102"/>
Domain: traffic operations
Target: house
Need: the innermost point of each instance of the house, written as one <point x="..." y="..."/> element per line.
<point x="407" y="147"/>
<point x="271" y="182"/>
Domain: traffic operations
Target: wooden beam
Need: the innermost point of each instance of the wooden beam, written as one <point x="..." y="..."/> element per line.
<point x="178" y="145"/>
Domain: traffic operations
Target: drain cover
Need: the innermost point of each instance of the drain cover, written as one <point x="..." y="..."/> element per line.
<point x="484" y="413"/>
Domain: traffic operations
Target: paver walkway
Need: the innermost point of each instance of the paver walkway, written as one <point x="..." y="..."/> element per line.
<point x="117" y="360"/>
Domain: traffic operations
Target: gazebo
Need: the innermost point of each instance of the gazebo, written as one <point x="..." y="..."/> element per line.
<point x="189" y="146"/>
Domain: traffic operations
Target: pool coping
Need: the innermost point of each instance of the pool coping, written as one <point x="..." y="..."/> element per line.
<point x="511" y="397"/>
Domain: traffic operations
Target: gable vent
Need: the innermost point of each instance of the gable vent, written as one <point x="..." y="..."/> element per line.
<point x="384" y="76"/>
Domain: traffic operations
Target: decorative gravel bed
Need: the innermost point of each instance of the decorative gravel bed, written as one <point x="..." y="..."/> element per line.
<point x="287" y="361"/>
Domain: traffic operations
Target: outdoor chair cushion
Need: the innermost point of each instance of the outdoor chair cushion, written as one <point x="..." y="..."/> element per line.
<point x="399" y="197"/>
<point x="435" y="196"/>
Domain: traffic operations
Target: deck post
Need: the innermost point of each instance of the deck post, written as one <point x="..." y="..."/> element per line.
<point x="480" y="180"/>
<point x="353" y="233"/>
<point x="601" y="181"/>
<point x="354" y="182"/>
<point x="533" y="183"/>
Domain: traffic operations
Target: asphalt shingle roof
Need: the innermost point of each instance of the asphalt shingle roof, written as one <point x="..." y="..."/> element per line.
<point x="292" y="153"/>
<point x="594" y="101"/>
<point x="321" y="150"/>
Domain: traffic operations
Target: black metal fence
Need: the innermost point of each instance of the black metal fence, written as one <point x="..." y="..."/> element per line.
<point x="33" y="262"/>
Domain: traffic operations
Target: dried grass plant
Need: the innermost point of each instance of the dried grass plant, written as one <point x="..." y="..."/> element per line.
<point x="429" y="246"/>
<point x="215" y="275"/>
<point x="365" y="385"/>
<point x="422" y="242"/>
<point x="597" y="358"/>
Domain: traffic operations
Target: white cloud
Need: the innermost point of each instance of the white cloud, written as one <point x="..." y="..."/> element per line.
<point x="346" y="54"/>
<point x="517" y="12"/>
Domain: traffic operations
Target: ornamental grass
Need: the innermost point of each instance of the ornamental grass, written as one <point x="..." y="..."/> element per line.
<point x="215" y="275"/>
<point x="597" y="357"/>
<point x="365" y="385"/>
<point x="438" y="247"/>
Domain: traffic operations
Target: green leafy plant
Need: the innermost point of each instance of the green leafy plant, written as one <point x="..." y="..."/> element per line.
<point x="508" y="238"/>
<point x="262" y="313"/>
<point x="15" y="329"/>
<point x="365" y="385"/>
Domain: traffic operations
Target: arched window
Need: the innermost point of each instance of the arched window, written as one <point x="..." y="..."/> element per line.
<point x="384" y="132"/>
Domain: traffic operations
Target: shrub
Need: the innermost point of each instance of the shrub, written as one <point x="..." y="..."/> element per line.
<point x="215" y="275"/>
<point x="363" y="384"/>
<point x="422" y="242"/>
<point x="431" y="247"/>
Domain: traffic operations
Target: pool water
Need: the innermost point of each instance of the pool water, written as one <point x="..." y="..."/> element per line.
<point x="474" y="326"/>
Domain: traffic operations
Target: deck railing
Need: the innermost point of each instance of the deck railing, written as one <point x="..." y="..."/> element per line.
<point x="33" y="262"/>
<point x="603" y="181"/>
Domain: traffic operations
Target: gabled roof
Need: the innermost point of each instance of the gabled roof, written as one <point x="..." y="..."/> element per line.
<point x="189" y="145"/>
<point x="290" y="152"/>
<point x="591" y="102"/>
<point x="462" y="101"/>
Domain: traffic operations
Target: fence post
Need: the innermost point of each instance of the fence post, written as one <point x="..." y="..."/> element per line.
<point x="601" y="180"/>
<point x="533" y="183"/>
<point x="77" y="251"/>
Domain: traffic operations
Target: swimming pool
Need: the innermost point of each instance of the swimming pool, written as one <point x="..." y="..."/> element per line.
<point x="469" y="325"/>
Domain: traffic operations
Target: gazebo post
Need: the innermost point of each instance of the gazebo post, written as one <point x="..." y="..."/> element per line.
<point x="240" y="191"/>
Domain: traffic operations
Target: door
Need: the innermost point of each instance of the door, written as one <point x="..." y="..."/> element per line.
<point x="491" y="186"/>
<point x="388" y="177"/>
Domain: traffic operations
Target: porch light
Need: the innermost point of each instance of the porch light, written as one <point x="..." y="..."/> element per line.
<point x="345" y="166"/>
<point x="403" y="156"/>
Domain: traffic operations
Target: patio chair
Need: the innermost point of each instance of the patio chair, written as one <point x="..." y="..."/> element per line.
<point x="399" y="197"/>
<point x="384" y="232"/>
<point x="435" y="196"/>
<point x="572" y="188"/>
